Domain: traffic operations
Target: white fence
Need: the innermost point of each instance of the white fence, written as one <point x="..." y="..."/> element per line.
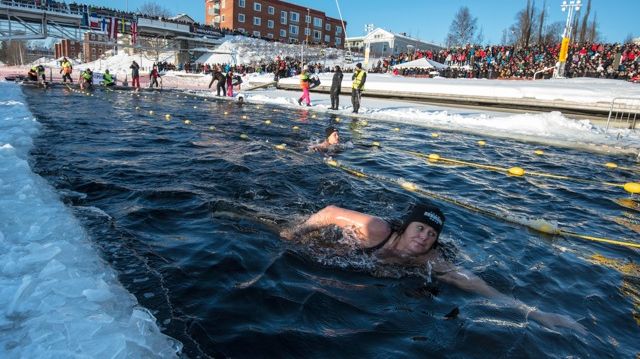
<point x="624" y="112"/>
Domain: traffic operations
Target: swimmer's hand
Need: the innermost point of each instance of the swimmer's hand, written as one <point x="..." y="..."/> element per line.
<point x="556" y="321"/>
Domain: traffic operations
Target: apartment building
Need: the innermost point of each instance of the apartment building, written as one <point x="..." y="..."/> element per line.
<point x="277" y="20"/>
<point x="68" y="48"/>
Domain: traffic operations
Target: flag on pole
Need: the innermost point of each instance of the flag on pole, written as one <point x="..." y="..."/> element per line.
<point x="134" y="32"/>
<point x="103" y="24"/>
<point x="113" y="29"/>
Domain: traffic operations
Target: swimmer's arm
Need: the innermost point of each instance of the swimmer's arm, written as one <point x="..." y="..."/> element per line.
<point x="370" y="228"/>
<point x="470" y="282"/>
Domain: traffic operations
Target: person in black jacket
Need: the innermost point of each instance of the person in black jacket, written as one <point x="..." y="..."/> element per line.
<point x="336" y="83"/>
<point x="222" y="82"/>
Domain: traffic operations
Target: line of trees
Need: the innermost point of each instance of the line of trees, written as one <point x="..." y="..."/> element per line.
<point x="531" y="27"/>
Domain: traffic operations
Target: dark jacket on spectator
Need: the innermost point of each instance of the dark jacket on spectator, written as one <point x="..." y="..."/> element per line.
<point x="336" y="82"/>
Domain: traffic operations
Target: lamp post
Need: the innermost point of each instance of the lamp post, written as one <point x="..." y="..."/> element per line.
<point x="572" y="6"/>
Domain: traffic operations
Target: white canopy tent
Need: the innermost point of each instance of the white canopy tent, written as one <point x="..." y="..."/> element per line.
<point x="422" y="63"/>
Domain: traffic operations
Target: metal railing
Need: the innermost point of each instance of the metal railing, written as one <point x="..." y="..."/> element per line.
<point x="542" y="71"/>
<point x="624" y="111"/>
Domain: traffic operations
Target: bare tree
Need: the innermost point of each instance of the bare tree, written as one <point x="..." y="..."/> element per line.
<point x="552" y="33"/>
<point x="480" y="37"/>
<point x="154" y="9"/>
<point x="525" y="21"/>
<point x="13" y="52"/>
<point x="462" y="29"/>
<point x="585" y="24"/>
<point x="628" y="39"/>
<point x="541" y="19"/>
<point x="592" y="32"/>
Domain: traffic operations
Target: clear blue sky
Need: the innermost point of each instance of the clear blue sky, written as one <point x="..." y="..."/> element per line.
<point x="429" y="20"/>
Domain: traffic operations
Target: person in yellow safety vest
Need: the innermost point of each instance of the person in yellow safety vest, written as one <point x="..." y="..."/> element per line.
<point x="108" y="79"/>
<point x="86" y="79"/>
<point x="304" y="85"/>
<point x="36" y="73"/>
<point x="66" y="70"/>
<point x="359" y="77"/>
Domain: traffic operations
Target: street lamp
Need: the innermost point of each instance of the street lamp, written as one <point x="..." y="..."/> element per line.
<point x="573" y="6"/>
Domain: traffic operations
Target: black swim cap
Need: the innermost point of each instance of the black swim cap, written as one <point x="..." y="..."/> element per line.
<point x="427" y="214"/>
<point x="329" y="130"/>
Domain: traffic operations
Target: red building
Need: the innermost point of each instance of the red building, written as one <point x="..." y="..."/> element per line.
<point x="95" y="45"/>
<point x="274" y="19"/>
<point x="68" y="48"/>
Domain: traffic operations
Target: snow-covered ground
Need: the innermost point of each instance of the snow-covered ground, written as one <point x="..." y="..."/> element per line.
<point x="57" y="297"/>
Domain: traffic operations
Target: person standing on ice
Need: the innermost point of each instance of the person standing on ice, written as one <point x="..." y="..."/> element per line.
<point x="229" y="81"/>
<point x="153" y="76"/>
<point x="359" y="77"/>
<point x="336" y="84"/>
<point x="66" y="70"/>
<point x="135" y="75"/>
<point x="304" y="85"/>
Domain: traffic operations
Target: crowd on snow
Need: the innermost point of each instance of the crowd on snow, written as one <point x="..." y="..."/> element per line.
<point x="611" y="61"/>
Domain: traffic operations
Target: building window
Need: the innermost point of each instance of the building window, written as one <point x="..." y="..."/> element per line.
<point x="327" y="39"/>
<point x="317" y="22"/>
<point x="223" y="4"/>
<point x="327" y="27"/>
<point x="307" y="32"/>
<point x="212" y="11"/>
<point x="241" y="3"/>
<point x="257" y="21"/>
<point x="257" y="6"/>
<point x="256" y="33"/>
<point x="307" y="19"/>
<point x="270" y="24"/>
<point x="271" y="10"/>
<point x="240" y="29"/>
<point x="222" y="17"/>
<point x="338" y="30"/>
<point x="283" y="33"/>
<point x="317" y="35"/>
<point x="240" y="17"/>
<point x="294" y="17"/>
<point x="270" y="35"/>
<point x="283" y="17"/>
<point x="293" y="29"/>
<point x="337" y="41"/>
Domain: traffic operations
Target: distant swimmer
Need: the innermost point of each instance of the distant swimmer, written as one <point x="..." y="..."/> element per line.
<point x="332" y="138"/>
<point x="415" y="241"/>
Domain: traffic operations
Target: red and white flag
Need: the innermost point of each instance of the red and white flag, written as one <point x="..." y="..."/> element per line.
<point x="134" y="32"/>
<point x="113" y="28"/>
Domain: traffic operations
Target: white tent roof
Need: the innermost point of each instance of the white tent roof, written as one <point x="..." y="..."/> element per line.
<point x="422" y="63"/>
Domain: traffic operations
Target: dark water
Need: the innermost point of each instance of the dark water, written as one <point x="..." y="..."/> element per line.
<point x="186" y="215"/>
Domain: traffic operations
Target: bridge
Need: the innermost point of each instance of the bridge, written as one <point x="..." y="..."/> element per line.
<point x="41" y="19"/>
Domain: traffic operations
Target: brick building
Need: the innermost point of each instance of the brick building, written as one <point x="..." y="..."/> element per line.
<point x="274" y="19"/>
<point x="68" y="48"/>
<point x="95" y="45"/>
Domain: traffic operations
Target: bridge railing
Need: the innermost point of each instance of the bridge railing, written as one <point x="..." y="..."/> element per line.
<point x="33" y="5"/>
<point x="624" y="112"/>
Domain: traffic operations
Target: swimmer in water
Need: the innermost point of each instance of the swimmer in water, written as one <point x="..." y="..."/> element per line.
<point x="414" y="240"/>
<point x="332" y="138"/>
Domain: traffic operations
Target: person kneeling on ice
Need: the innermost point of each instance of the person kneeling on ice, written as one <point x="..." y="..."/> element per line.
<point x="107" y="79"/>
<point x="86" y="79"/>
<point x="415" y="241"/>
<point x="332" y="138"/>
<point x="36" y="73"/>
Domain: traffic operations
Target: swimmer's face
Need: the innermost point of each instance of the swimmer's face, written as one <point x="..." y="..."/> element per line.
<point x="418" y="238"/>
<point x="334" y="138"/>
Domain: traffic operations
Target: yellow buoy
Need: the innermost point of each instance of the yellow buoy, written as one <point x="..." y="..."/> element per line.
<point x="435" y="135"/>
<point x="267" y="122"/>
<point x="313" y="116"/>
<point x="281" y="146"/>
<point x="137" y="107"/>
<point x="167" y="117"/>
<point x="187" y="122"/>
<point x="244" y="136"/>
<point x="611" y="165"/>
<point x="226" y="113"/>
<point x="409" y="186"/>
<point x="482" y="143"/>
<point x="151" y="112"/>
<point x="539" y="152"/>
<point x="244" y="117"/>
<point x="516" y="171"/>
<point x="434" y="157"/>
<point x="194" y="106"/>
<point x="375" y="143"/>
<point x="274" y="110"/>
<point x="396" y="129"/>
<point x="632" y="187"/>
<point x="338" y="119"/>
<point x="332" y="163"/>
<point x="212" y="128"/>
<point x="296" y="128"/>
